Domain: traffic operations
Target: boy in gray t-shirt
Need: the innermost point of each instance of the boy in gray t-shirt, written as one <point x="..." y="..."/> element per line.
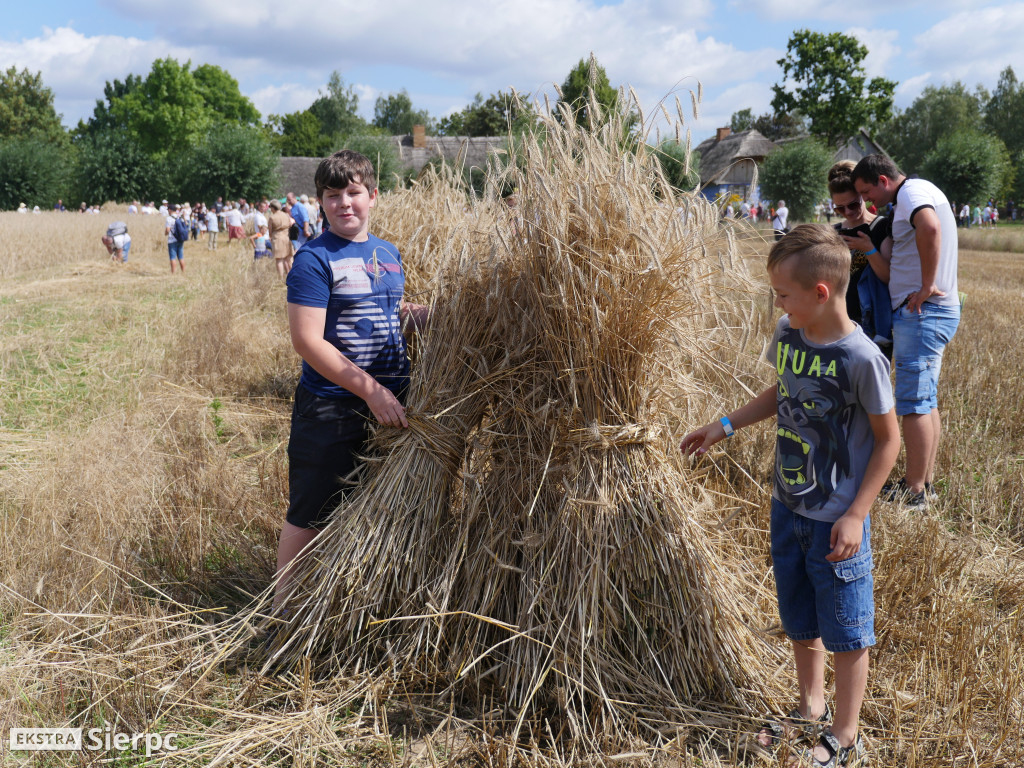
<point x="837" y="440"/>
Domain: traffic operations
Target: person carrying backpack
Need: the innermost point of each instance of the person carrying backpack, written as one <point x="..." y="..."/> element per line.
<point x="177" y="233"/>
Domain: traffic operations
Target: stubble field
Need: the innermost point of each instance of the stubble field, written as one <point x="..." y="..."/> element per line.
<point x="143" y="425"/>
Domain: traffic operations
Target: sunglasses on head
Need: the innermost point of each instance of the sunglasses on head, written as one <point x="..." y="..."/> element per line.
<point x="849" y="206"/>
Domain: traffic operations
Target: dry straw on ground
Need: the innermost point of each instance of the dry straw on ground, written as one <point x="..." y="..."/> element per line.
<point x="141" y="438"/>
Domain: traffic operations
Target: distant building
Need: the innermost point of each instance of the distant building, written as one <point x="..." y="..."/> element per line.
<point x="415" y="150"/>
<point x="728" y="160"/>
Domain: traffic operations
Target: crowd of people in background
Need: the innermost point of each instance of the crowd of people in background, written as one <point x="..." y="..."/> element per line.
<point x="968" y="216"/>
<point x="274" y="228"/>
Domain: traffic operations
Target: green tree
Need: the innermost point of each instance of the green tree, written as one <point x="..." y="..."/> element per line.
<point x="230" y="160"/>
<point x="937" y="112"/>
<point x="112" y="165"/>
<point x="222" y="97"/>
<point x="103" y="118"/>
<point x="1004" y="112"/>
<point x="394" y="114"/>
<point x="26" y="107"/>
<point x="775" y="126"/>
<point x="336" y="110"/>
<point x="499" y="114"/>
<point x="31" y="171"/>
<point x="383" y="154"/>
<point x="969" y="165"/>
<point x="796" y="173"/>
<point x="682" y="175"/>
<point x="299" y="134"/>
<point x="824" y="78"/>
<point x="742" y="120"/>
<point x="167" y="111"/>
<point x="585" y="78"/>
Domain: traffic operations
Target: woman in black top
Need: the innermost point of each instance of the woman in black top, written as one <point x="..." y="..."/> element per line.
<point x="868" y="235"/>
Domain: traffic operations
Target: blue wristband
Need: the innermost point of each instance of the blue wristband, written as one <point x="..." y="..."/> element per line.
<point x="873" y="250"/>
<point x="727" y="426"/>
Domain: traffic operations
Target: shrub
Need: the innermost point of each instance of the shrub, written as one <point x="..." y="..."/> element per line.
<point x="797" y="173"/>
<point x="113" y="166"/>
<point x="968" y="165"/>
<point x="31" y="172"/>
<point x="231" y="160"/>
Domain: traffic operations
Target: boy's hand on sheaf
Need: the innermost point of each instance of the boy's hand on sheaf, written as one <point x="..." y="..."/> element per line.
<point x="386" y="409"/>
<point x="847" y="533"/>
<point x="700" y="440"/>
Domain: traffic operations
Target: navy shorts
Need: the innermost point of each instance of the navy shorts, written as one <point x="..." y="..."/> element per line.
<point x="818" y="598"/>
<point x="328" y="436"/>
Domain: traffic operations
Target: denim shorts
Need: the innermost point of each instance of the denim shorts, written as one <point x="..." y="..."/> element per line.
<point x="918" y="343"/>
<point x="817" y="598"/>
<point x="176" y="250"/>
<point x="124" y="251"/>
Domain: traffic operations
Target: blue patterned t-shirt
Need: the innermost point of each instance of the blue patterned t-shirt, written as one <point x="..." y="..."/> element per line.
<point x="361" y="286"/>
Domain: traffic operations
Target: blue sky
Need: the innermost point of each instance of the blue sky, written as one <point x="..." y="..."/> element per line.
<point x="445" y="51"/>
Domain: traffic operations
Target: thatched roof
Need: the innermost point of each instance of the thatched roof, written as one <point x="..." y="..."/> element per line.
<point x="719" y="156"/>
<point x="296" y="173"/>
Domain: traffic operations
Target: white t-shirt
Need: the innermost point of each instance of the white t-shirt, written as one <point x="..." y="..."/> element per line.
<point x="259" y="220"/>
<point x="905" y="267"/>
<point x="233" y="218"/>
<point x="169" y="224"/>
<point x="781" y="217"/>
<point x="211" y="221"/>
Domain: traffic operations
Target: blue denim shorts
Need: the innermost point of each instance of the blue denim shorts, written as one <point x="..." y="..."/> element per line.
<point x="918" y="343"/>
<point x="833" y="601"/>
<point x="176" y="250"/>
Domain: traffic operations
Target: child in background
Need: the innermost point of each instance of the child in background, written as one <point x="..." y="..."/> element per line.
<point x="261" y="244"/>
<point x="837" y="440"/>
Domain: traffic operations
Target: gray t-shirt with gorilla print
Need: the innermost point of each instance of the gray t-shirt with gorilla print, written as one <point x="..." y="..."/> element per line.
<point x="824" y="438"/>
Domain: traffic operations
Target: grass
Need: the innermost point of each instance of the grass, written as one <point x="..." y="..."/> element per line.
<point x="142" y="431"/>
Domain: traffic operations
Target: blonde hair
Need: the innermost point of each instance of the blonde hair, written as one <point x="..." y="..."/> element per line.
<point x="819" y="255"/>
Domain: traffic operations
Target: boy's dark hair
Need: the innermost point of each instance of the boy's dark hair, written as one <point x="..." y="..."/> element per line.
<point x="871" y="167"/>
<point x="341" y="169"/>
<point x="819" y="255"/>
<point x="840" y="179"/>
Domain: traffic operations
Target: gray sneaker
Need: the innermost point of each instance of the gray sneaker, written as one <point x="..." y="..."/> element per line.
<point x="901" y="493"/>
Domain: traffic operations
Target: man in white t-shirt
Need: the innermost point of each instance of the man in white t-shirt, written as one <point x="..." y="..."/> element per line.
<point x="259" y="216"/>
<point x="233" y="221"/>
<point x="780" y="221"/>
<point x="926" y="308"/>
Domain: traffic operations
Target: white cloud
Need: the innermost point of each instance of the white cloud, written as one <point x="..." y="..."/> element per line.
<point x="76" y="67"/>
<point x="882" y="49"/>
<point x="973" y="46"/>
<point x="282" y="99"/>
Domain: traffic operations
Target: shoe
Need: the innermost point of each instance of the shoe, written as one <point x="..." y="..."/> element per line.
<point x="853" y="756"/>
<point x="795" y="727"/>
<point x="900" y="493"/>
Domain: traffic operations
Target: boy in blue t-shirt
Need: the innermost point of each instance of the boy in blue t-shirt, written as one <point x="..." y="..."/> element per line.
<point x="837" y="440"/>
<point x="345" y="311"/>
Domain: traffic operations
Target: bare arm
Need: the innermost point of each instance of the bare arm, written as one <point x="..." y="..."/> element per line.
<point x="307" y="332"/>
<point x="849" y="529"/>
<point x="879" y="260"/>
<point x="760" y="408"/>
<point x="928" y="236"/>
<point x="417" y="315"/>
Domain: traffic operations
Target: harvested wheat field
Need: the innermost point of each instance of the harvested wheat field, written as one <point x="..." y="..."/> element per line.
<point x="531" y="575"/>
